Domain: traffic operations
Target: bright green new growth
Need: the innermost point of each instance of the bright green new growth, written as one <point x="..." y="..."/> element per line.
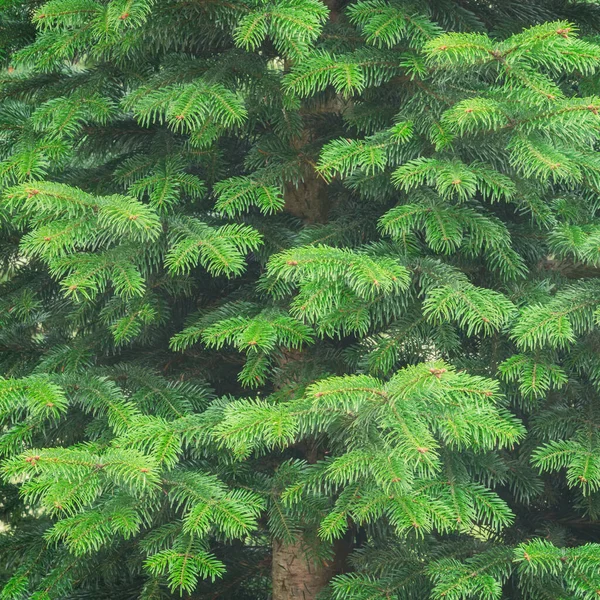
<point x="304" y="275"/>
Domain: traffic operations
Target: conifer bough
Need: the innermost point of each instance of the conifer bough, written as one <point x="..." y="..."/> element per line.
<point x="300" y="299"/>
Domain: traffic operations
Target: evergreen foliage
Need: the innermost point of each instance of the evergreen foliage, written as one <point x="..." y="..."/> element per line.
<point x="320" y="276"/>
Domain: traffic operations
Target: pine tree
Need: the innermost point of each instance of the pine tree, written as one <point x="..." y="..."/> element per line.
<point x="300" y="299"/>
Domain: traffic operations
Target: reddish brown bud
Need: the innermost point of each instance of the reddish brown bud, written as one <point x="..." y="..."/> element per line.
<point x="437" y="372"/>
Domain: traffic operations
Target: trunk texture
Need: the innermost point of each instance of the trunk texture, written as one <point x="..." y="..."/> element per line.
<point x="297" y="578"/>
<point x="308" y="201"/>
<point x="294" y="575"/>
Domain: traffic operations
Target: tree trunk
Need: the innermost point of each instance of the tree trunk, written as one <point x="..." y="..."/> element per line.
<point x="308" y="200"/>
<point x="296" y="577"/>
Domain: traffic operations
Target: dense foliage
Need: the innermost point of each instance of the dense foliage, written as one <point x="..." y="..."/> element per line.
<point x="300" y="281"/>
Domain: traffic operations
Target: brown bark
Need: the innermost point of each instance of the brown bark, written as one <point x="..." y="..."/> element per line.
<point x="308" y="201"/>
<point x="569" y="268"/>
<point x="296" y="576"/>
<point x="334" y="9"/>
